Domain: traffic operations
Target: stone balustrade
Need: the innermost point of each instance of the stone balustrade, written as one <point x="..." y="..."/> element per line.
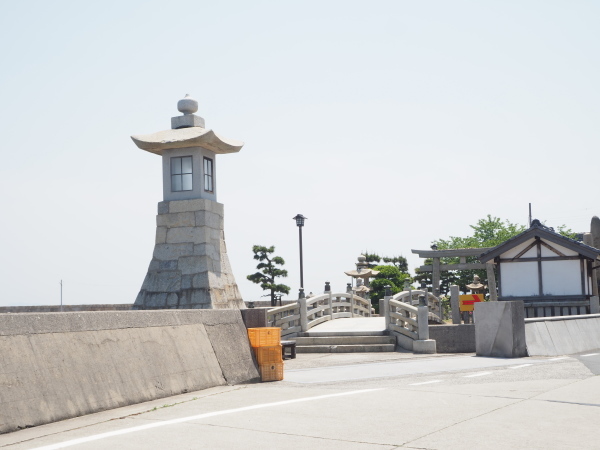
<point x="408" y="319"/>
<point x="308" y="312"/>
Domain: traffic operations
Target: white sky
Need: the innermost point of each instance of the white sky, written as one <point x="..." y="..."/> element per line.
<point x="387" y="123"/>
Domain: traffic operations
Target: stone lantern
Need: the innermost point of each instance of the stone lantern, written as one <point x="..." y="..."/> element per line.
<point x="190" y="267"/>
<point x="362" y="271"/>
<point x="476" y="287"/>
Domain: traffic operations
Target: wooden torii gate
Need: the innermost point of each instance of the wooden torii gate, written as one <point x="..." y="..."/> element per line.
<point x="462" y="254"/>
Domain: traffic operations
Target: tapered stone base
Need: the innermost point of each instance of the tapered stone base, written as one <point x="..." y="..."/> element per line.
<point x="189" y="267"/>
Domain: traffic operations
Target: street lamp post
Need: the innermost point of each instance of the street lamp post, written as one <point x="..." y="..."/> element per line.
<point x="299" y="218"/>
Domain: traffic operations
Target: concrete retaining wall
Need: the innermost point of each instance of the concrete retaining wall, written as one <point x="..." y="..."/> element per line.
<point x="453" y="338"/>
<point x="56" y="366"/>
<point x="563" y="335"/>
<point x="65" y="308"/>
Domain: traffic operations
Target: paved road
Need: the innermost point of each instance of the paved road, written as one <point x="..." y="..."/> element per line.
<point x="377" y="401"/>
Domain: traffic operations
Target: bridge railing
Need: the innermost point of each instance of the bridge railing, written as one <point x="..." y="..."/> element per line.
<point x="408" y="313"/>
<point x="287" y="318"/>
<point x="301" y="316"/>
<point x="402" y="318"/>
<point x="434" y="304"/>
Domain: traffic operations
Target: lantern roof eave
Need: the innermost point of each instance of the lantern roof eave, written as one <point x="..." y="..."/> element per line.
<point x="186" y="137"/>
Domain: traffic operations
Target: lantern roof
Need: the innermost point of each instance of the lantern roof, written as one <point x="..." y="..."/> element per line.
<point x="187" y="130"/>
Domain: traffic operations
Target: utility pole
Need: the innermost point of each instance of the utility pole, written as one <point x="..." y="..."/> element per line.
<point x="530" y="215"/>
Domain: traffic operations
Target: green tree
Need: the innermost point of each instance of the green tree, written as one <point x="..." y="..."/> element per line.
<point x="398" y="261"/>
<point x="268" y="271"/>
<point x="372" y="259"/>
<point x="388" y="275"/>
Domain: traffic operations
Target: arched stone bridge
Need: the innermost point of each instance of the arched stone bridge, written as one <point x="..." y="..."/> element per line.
<point x="403" y="321"/>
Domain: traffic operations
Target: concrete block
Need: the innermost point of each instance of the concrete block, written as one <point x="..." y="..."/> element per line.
<point x="156" y="300"/>
<point x="161" y="235"/>
<point x="163" y="207"/>
<point x="255" y="317"/>
<point x="500" y="329"/>
<point x="201" y="297"/>
<point x="187" y="121"/>
<point x="209" y="219"/>
<point x="199" y="204"/>
<point x="172" y="300"/>
<point x="424" y="346"/>
<point x="189" y="265"/>
<point x="208" y="249"/>
<point x="453" y="338"/>
<point x="162" y="281"/>
<point x="166" y="252"/>
<point x="175" y="220"/>
<point x="404" y="341"/>
<point x="192" y="235"/>
<point x="186" y="281"/>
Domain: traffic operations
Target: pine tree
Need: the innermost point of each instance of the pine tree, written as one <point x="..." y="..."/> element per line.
<point x="268" y="271"/>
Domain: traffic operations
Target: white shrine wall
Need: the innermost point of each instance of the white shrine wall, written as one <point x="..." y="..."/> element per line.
<point x="561" y="277"/>
<point x="519" y="279"/>
<point x="558" y="277"/>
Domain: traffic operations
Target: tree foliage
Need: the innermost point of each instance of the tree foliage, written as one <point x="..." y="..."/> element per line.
<point x="268" y="271"/>
<point x="388" y="275"/>
<point x="372" y="259"/>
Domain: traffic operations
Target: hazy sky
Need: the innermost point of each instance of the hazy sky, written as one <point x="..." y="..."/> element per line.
<point x="387" y="123"/>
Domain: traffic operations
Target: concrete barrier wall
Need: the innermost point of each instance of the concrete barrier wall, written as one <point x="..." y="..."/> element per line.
<point x="564" y="335"/>
<point x="453" y="338"/>
<point x="56" y="366"/>
<point x="65" y="308"/>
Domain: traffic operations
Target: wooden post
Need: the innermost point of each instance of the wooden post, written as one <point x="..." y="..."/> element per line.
<point x="330" y="302"/>
<point x="491" y="279"/>
<point x="455" y="304"/>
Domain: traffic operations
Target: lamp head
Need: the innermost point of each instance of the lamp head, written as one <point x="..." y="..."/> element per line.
<point x="299" y="218"/>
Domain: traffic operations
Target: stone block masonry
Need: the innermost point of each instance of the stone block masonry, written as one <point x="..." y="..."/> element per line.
<point x="55" y="366"/>
<point x="190" y="268"/>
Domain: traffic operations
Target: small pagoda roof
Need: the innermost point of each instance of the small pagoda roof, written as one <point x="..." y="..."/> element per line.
<point x="186" y="137"/>
<point x="543" y="232"/>
<point x="362" y="273"/>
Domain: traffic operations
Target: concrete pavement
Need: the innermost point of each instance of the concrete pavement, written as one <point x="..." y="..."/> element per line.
<point x="432" y="402"/>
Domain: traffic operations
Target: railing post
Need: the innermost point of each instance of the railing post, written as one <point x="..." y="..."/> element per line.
<point x="352" y="303"/>
<point x="330" y="299"/>
<point x="303" y="314"/>
<point x="455" y="304"/>
<point x="423" y="318"/>
<point x="386" y="307"/>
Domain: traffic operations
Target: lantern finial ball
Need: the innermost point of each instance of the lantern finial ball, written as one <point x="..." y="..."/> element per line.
<point x="187" y="105"/>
